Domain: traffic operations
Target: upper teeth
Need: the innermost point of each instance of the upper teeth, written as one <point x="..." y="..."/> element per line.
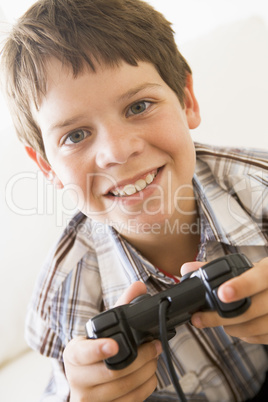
<point x="139" y="185"/>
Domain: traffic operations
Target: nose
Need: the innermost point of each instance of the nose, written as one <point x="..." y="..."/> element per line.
<point x="116" y="145"/>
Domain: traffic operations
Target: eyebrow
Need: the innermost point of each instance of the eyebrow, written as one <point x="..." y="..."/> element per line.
<point x="66" y="123"/>
<point x="126" y="96"/>
<point x="134" y="91"/>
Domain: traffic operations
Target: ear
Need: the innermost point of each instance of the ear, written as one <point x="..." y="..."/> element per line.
<point x="44" y="166"/>
<point x="191" y="104"/>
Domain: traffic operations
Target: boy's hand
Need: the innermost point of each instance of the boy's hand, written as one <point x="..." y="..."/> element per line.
<point x="252" y="325"/>
<point x="90" y="380"/>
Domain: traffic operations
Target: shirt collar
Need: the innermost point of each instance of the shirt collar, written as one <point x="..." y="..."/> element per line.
<point x="131" y="258"/>
<point x="221" y="216"/>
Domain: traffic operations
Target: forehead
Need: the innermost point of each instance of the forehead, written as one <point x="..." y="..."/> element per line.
<point x="105" y="81"/>
<point x="67" y="95"/>
<point x="59" y="75"/>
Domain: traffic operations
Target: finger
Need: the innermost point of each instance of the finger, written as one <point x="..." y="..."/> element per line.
<point x="191" y="266"/>
<point x="249" y="283"/>
<point x="82" y="351"/>
<point x="257" y="308"/>
<point x="252" y="328"/>
<point x="123" y="387"/>
<point x="98" y="373"/>
<point x="136" y="289"/>
<point x="206" y="319"/>
<point x="141" y="393"/>
<point x="261" y="340"/>
<point x="146" y="352"/>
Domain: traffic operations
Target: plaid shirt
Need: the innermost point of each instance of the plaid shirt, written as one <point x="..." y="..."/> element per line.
<point x="92" y="265"/>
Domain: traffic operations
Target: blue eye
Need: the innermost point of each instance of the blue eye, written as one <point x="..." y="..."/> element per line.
<point x="138" y="108"/>
<point x="76" y="136"/>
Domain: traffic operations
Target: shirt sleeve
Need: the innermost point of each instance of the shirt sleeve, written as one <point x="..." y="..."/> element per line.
<point x="67" y="294"/>
<point x="57" y="388"/>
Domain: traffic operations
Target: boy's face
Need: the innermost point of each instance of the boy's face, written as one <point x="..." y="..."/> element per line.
<point x="112" y="132"/>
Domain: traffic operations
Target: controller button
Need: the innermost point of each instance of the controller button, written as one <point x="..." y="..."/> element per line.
<point x="213" y="271"/>
<point x="105" y="321"/>
<point x="225" y="307"/>
<point x="124" y="350"/>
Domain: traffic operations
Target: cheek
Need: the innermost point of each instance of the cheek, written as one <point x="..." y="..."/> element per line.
<point x="176" y="141"/>
<point x="171" y="129"/>
<point x="67" y="168"/>
<point x="70" y="176"/>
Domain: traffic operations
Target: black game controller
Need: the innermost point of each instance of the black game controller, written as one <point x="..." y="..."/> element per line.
<point x="135" y="323"/>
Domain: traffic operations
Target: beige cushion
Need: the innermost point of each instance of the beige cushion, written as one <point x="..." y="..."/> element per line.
<point x="24" y="379"/>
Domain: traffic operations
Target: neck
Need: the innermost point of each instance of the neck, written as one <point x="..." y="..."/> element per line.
<point x="171" y="247"/>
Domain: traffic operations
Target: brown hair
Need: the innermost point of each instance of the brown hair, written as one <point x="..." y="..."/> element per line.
<point x="80" y="32"/>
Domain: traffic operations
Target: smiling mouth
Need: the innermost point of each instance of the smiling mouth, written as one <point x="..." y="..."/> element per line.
<point x="133" y="188"/>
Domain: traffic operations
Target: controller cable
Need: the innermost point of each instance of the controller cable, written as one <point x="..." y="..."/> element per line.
<point x="163" y="308"/>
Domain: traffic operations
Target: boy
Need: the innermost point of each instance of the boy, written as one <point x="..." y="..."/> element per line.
<point x="104" y="101"/>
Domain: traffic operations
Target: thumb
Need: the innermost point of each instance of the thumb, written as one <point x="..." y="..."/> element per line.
<point x="191" y="266"/>
<point x="135" y="289"/>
